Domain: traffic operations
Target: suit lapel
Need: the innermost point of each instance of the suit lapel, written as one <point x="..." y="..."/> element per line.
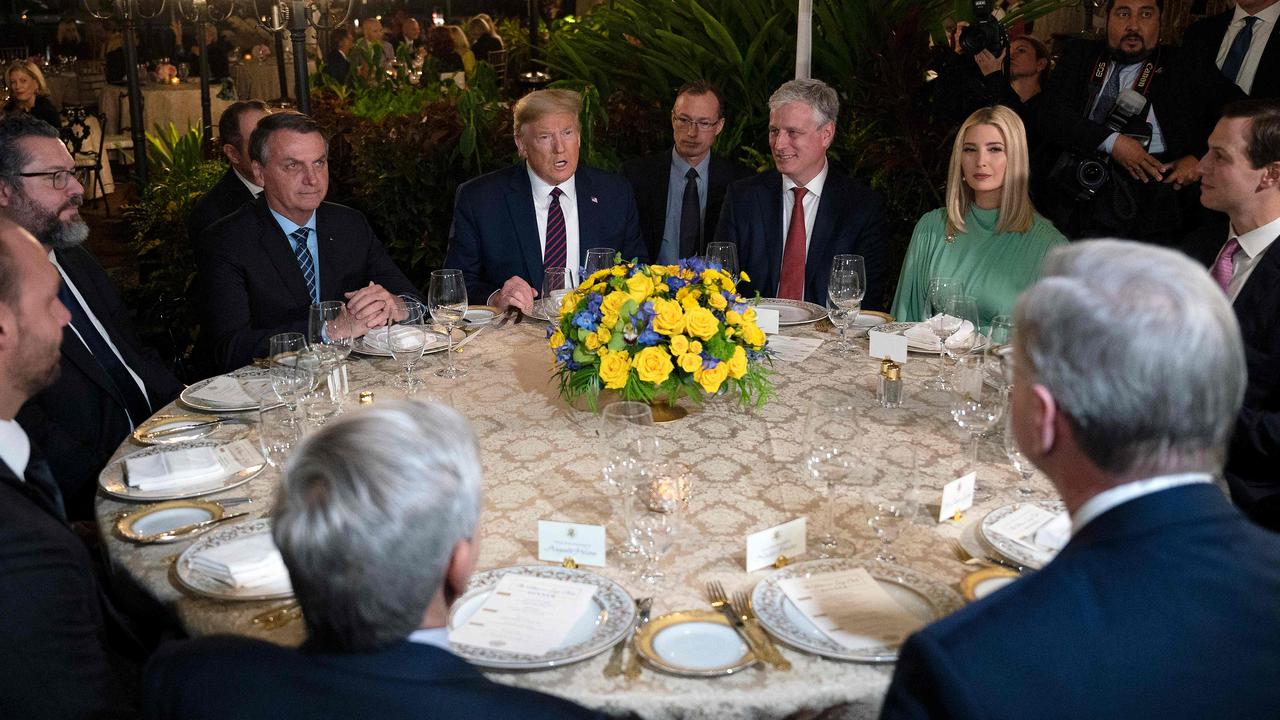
<point x="824" y="226"/>
<point x="73" y="348"/>
<point x="590" y="216"/>
<point x="525" y="221"/>
<point x="1260" y="285"/>
<point x="277" y="249"/>
<point x="325" y="260"/>
<point x="771" y="207"/>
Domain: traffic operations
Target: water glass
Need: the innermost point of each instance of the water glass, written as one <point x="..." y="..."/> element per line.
<point x="726" y="254"/>
<point x="845" y="289"/>
<point x="318" y="407"/>
<point x="597" y="259"/>
<point x="656" y="533"/>
<point x="407" y="338"/>
<point x="975" y="408"/>
<point x="831" y="434"/>
<point x="890" y="501"/>
<point x="628" y="448"/>
<point x="278" y="432"/>
<point x="999" y="339"/>
<point x="1017" y="459"/>
<point x="330" y="333"/>
<point x="939" y="290"/>
<point x="556" y="283"/>
<point x="447" y="299"/>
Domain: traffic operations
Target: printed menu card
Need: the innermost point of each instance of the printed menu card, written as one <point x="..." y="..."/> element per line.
<point x="851" y="608"/>
<point x="526" y="615"/>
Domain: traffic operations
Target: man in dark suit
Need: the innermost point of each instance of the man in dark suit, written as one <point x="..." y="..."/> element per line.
<point x="236" y="186"/>
<point x="377" y="551"/>
<point x="108" y="382"/>
<point x="261" y="268"/>
<point x="1148" y="195"/>
<point x="1241" y="177"/>
<point x="512" y="225"/>
<point x="790" y="223"/>
<point x="56" y="662"/>
<point x="679" y="192"/>
<point x="1243" y="44"/>
<point x="1162" y="603"/>
<point x="336" y="64"/>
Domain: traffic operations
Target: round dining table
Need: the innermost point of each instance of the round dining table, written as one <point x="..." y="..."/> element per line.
<point x="540" y="457"/>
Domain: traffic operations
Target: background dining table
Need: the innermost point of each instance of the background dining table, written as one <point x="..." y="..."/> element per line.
<point x="161" y="103"/>
<point x="541" y="462"/>
<point x="260" y="79"/>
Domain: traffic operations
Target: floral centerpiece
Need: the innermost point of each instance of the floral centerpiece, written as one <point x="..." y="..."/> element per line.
<point x="654" y="332"/>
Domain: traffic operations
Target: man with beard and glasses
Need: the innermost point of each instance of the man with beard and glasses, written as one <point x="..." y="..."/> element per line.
<point x="1148" y="195"/>
<point x="109" y="383"/>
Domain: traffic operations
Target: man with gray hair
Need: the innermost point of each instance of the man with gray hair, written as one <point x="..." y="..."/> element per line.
<point x="109" y="382"/>
<point x="376" y="519"/>
<point x="1128" y="374"/>
<point x="789" y="223"/>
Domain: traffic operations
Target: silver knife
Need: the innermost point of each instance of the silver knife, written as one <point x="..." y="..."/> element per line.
<point x="188" y="529"/>
<point x="614" y="667"/>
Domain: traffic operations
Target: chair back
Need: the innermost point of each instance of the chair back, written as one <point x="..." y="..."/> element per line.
<point x="75" y="128"/>
<point x="497" y="59"/>
<point x="91" y="76"/>
<point x="9" y="54"/>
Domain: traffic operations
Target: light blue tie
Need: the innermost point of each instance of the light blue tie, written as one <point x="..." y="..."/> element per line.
<point x="308" y="267"/>
<point x="1107" y="99"/>
<point x="1239" y="48"/>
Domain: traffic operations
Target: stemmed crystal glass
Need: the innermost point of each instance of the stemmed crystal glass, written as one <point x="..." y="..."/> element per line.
<point x="660" y="501"/>
<point x="277" y="433"/>
<point x="999" y="335"/>
<point x="447" y="298"/>
<point x="556" y="283"/>
<point x="291" y="372"/>
<point x="891" y="504"/>
<point x="831" y="435"/>
<point x="940" y="290"/>
<point x="628" y="450"/>
<point x="597" y="260"/>
<point x="725" y="253"/>
<point x="975" y="408"/>
<point x="845" y="289"/>
<point x="1018" y="460"/>
<point x="407" y="338"/>
<point x="330" y="333"/>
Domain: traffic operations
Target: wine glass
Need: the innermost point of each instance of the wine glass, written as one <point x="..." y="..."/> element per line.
<point x="277" y="433"/>
<point x="628" y="448"/>
<point x="655" y="528"/>
<point x="184" y="71"/>
<point x="845" y="290"/>
<point x="407" y="338"/>
<point x="957" y="326"/>
<point x="999" y="335"/>
<point x="447" y="298"/>
<point x="597" y="259"/>
<point x="891" y="504"/>
<point x="555" y="285"/>
<point x="725" y="253"/>
<point x="290" y="377"/>
<point x="940" y="289"/>
<point x="330" y="333"/>
<point x="1017" y="459"/>
<point x="831" y="435"/>
<point x="975" y="407"/>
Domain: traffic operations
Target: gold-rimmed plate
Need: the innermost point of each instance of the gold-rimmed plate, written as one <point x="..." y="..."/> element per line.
<point x="981" y="583"/>
<point x="792" y="312"/>
<point x="165" y="429"/>
<point x="479" y="315"/>
<point x="437" y="341"/>
<point x="693" y="643"/>
<point x="149" y="524"/>
<point x="112" y="479"/>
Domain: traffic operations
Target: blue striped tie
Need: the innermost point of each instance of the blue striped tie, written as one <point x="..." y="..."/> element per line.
<point x="308" y="267"/>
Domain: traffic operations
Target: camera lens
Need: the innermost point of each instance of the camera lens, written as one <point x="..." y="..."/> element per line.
<point x="1091" y="174"/>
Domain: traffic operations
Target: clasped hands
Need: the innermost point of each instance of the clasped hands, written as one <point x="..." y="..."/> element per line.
<point x="515" y="292"/>
<point x="1143" y="167"/>
<point x="367" y="308"/>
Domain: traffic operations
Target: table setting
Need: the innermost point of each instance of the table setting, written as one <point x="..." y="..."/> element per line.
<point x="624" y="542"/>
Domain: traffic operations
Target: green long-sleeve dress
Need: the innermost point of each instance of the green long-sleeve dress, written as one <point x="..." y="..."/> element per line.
<point x="993" y="267"/>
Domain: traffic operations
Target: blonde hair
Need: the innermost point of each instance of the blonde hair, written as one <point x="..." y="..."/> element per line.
<point x="540" y="103"/>
<point x="483" y="23"/>
<point x="67" y="31"/>
<point x="459" y="38"/>
<point x="32" y="70"/>
<point x="1016" y="210"/>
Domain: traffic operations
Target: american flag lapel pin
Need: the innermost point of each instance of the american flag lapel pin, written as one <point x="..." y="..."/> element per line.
<point x="595" y="199"/>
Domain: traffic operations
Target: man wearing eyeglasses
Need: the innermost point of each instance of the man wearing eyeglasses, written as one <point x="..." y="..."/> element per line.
<point x="679" y="192"/>
<point x="109" y="383"/>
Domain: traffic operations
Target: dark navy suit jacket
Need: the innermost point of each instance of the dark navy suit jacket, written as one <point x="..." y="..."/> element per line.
<point x="238" y="677"/>
<point x="1204" y="37"/>
<point x="851" y="220"/>
<point x="224" y="198"/>
<point x="495" y="230"/>
<point x="1163" y="608"/>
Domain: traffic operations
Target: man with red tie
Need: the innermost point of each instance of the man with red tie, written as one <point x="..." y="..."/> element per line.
<point x="1241" y="177"/>
<point x="790" y="222"/>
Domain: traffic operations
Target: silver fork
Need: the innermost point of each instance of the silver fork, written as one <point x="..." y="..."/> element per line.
<point x="742" y="606"/>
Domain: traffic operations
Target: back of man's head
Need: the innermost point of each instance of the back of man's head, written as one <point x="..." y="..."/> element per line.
<point x="367" y="517"/>
<point x="1141" y="352"/>
<point x="1263" y="137"/>
<point x="229" y="123"/>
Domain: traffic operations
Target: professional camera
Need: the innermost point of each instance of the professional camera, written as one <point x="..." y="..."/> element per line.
<point x="1084" y="175"/>
<point x="986" y="32"/>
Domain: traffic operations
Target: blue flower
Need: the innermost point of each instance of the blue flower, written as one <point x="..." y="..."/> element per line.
<point x="708" y="360"/>
<point x="585" y="320"/>
<point x="593" y="303"/>
<point x="648" y="337"/>
<point x="675" y="284"/>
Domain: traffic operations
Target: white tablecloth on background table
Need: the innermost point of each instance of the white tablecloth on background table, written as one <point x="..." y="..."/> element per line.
<point x="178" y="104"/>
<point x="260" y="80"/>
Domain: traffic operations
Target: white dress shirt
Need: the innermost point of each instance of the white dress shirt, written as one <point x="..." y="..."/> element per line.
<point x="1252" y="246"/>
<point x="254" y="189"/>
<point x="438" y="637"/>
<point x="1108" y="499"/>
<point x="1257" y="44"/>
<point x="568" y="205"/>
<point x="15" y="447"/>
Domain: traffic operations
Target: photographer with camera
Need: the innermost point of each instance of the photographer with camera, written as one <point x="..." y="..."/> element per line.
<point x="1124" y="122"/>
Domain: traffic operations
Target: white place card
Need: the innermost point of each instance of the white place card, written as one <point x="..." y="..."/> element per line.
<point x="224" y="390"/>
<point x="527" y="615"/>
<point x="957" y="496"/>
<point x="1022" y="524"/>
<point x="560" y="540"/>
<point x="239" y="455"/>
<point x="793" y="349"/>
<point x="851" y="608"/>
<point x="888" y="345"/>
<point x="764" y="547"/>
<point x="767" y="319"/>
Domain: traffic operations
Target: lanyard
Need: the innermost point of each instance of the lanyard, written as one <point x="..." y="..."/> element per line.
<point x="1142" y="84"/>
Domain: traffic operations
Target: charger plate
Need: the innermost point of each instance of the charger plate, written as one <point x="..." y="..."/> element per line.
<point x="254" y="380"/>
<point x="112" y="479"/>
<point x="793" y="312"/>
<point x="201" y="584"/>
<point x="693" y="643"/>
<point x="148" y="524"/>
<point x="1007" y="548"/>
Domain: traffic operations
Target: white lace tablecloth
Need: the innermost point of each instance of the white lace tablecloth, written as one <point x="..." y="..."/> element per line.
<point x="260" y="80"/>
<point x="540" y="462"/>
<point x="161" y="104"/>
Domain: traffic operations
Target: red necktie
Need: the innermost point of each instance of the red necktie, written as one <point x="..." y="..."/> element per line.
<point x="792" y="284"/>
<point x="554" y="255"/>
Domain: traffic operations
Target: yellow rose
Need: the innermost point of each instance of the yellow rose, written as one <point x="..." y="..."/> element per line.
<point x="618" y="271"/>
<point x="593" y="342"/>
<point x="569" y="302"/>
<point x="702" y="323"/>
<point x="744" y="276"/>
<point x="690" y="302"/>
<point x="557" y="339"/>
<point x="754" y="336"/>
<point x="731" y="317"/>
<point x="608" y="320"/>
<point x="615" y="366"/>
<point x="709" y="276"/>
<point x="603" y="335"/>
<point x="717" y="301"/>
<point x="690" y="363"/>
<point x="652" y="364"/>
<point x="738" y="363"/>
<point x="659" y="270"/>
<point x="612" y="304"/>
<point x="679" y="345"/>
<point x="710" y="379"/>
<point x="640" y="287"/>
<point x="750" y="314"/>
<point x="668" y="318"/>
<point x="728" y="333"/>
<point x="695" y="347"/>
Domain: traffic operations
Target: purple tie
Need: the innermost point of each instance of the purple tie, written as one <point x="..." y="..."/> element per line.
<point x="1224" y="267"/>
<point x="554" y="254"/>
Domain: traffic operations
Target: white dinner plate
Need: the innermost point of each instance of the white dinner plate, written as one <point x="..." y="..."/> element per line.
<point x="695" y="643"/>
<point x="981" y="583"/>
<point x="925" y="596"/>
<point x="437" y="341"/>
<point x="479" y="315"/>
<point x="202" y="584"/>
<point x="256" y="382"/>
<point x="112" y="480"/>
<point x="174" y="429"/>
<point x="1011" y="550"/>
<point x="146" y="524"/>
<point x="610" y="618"/>
<point x="792" y="312"/>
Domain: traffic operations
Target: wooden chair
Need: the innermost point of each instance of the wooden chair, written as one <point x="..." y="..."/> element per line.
<point x="77" y="130"/>
<point x="497" y="59"/>
<point x="91" y="76"/>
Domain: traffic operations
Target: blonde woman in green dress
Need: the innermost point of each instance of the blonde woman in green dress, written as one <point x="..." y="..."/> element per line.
<point x="988" y="237"/>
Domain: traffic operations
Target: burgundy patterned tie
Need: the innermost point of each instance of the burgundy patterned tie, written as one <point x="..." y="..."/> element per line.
<point x="793" y="252"/>
<point x="554" y="254"/>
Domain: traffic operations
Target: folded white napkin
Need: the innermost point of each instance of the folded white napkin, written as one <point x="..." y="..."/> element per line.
<point x="224" y="390"/>
<point x="922" y="334"/>
<point x="376" y="339"/>
<point x="172" y="469"/>
<point x="1055" y="533"/>
<point x="251" y="561"/>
